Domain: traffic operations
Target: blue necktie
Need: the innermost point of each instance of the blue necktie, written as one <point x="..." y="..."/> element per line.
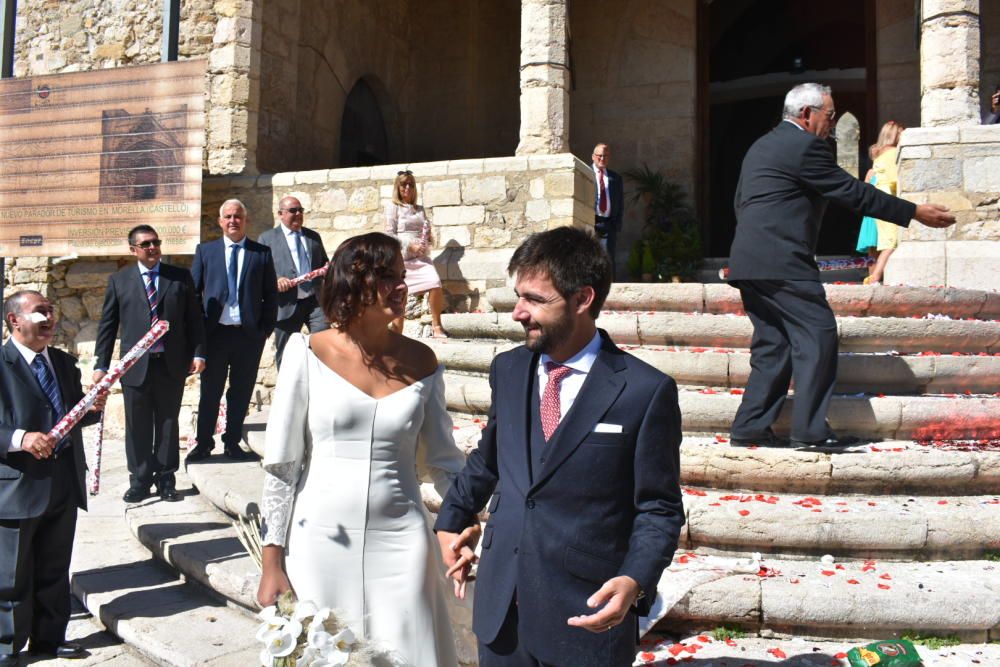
<point x="48" y="382"/>
<point x="234" y="255"/>
<point x="300" y="249"/>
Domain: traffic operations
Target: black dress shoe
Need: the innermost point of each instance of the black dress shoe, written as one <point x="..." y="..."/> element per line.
<point x="237" y="453"/>
<point x="197" y="454"/>
<point x="65" y="651"/>
<point x="769" y="440"/>
<point x="10" y="660"/>
<point x="135" y="495"/>
<point x="168" y="493"/>
<point x="832" y="442"/>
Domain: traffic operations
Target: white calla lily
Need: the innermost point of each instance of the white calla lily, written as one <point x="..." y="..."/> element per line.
<point x="280" y="643"/>
<point x="304" y="610"/>
<point x="265" y="658"/>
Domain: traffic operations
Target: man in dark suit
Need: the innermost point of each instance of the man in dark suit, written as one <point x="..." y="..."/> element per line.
<point x="296" y="250"/>
<point x="581" y="458"/>
<point x="788" y="176"/>
<point x="42" y="482"/>
<point x="138" y="296"/>
<point x="609" y="204"/>
<point x="238" y="287"/>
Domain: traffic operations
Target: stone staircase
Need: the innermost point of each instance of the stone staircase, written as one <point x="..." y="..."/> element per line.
<point x="911" y="517"/>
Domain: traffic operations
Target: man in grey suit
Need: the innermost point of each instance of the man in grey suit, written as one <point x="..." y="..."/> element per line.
<point x="788" y="177"/>
<point x="42" y="482"/>
<point x="296" y="250"/>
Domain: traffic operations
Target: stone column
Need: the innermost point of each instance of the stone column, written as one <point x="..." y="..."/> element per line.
<point x="544" y="77"/>
<point x="949" y="62"/>
<point x="234" y="84"/>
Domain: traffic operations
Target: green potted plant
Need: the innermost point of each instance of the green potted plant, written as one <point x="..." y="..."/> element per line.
<point x="670" y="245"/>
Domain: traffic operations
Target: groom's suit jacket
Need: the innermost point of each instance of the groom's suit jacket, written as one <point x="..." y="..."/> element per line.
<point x="602" y="504"/>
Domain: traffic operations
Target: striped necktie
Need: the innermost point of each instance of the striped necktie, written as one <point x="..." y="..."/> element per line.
<point x="48" y="383"/>
<point x="153" y="299"/>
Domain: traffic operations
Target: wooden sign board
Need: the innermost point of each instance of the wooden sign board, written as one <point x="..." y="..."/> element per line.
<point x="84" y="157"/>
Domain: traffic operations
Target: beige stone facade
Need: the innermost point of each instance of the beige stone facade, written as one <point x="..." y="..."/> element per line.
<point x="488" y="103"/>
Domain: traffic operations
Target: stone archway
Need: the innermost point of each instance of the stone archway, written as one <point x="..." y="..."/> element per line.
<point x="363" y="138"/>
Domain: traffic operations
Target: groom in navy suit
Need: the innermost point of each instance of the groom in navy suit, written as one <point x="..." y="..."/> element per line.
<point x="239" y="291"/>
<point x="580" y="464"/>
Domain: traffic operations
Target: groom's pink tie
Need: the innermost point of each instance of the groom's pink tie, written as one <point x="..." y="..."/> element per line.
<point x="550" y="409"/>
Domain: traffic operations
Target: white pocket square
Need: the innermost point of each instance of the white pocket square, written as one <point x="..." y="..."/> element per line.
<point x="608" y="428"/>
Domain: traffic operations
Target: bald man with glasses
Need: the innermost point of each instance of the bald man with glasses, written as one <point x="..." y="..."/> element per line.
<point x="609" y="204"/>
<point x="296" y="250"/>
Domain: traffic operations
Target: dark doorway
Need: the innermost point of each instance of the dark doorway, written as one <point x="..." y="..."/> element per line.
<point x="754" y="51"/>
<point x="363" y="141"/>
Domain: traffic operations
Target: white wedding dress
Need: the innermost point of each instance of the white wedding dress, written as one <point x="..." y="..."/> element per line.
<point x="342" y="495"/>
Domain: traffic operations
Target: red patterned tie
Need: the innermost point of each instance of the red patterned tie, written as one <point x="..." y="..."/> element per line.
<point x="550" y="409"/>
<point x="602" y="192"/>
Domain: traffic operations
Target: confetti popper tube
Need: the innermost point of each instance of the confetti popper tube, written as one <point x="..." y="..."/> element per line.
<point x="73" y="417"/>
<point x="315" y="273"/>
<point x="825" y="265"/>
<point x="95" y="473"/>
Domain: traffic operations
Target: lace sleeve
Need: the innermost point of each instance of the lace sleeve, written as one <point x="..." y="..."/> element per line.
<point x="286" y="442"/>
<point x="277" y="501"/>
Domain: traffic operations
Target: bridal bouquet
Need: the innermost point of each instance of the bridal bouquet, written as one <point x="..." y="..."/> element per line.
<point x="298" y="634"/>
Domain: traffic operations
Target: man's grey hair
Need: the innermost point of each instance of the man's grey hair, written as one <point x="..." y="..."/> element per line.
<point x="803" y="95"/>
<point x="233" y="201"/>
<point x="15" y="302"/>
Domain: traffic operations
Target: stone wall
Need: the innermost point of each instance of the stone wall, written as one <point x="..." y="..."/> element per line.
<point x="634" y="87"/>
<point x="444" y="73"/>
<point x="960" y="168"/>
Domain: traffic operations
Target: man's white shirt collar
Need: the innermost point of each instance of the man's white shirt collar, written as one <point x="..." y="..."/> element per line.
<point x="583" y="360"/>
<point x="786" y="120"/>
<point x="143" y="270"/>
<point x="230" y="243"/>
<point x="29" y="354"/>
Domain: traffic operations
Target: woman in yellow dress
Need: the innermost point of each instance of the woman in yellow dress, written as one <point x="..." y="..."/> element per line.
<point x="884" y="176"/>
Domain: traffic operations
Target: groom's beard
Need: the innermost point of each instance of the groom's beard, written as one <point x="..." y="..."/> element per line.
<point x="548" y="336"/>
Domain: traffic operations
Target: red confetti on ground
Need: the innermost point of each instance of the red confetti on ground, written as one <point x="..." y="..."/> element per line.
<point x="721" y="440"/>
<point x="715" y="504"/>
<point x="777" y="653"/>
<point x="793" y="581"/>
<point x="767" y="572"/>
<point x="476" y="420"/>
<point x="840" y="567"/>
<point x="730" y="497"/>
<point x="705" y="638"/>
<point x="730" y="642"/>
<point x="827" y="573"/>
<point x="942" y="502"/>
<point x="676" y="649"/>
<point x="744" y="512"/>
<point x="647" y="657"/>
<point x="694" y="492"/>
<point x="871" y="504"/>
<point x="884" y="587"/>
<point x="853" y="581"/>
<point x="683" y="560"/>
<point x="737" y="392"/>
<point x="671" y="661"/>
<point x="840" y="656"/>
<point x="885" y="576"/>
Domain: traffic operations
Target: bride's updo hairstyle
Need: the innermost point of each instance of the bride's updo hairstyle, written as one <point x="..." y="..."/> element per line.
<point x="351" y="282"/>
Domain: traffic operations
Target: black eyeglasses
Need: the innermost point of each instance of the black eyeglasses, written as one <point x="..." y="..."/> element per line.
<point x="146" y="245"/>
<point x="407" y="172"/>
<point x="294" y="210"/>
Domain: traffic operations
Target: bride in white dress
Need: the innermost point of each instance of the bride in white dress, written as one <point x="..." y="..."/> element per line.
<point x="358" y="411"/>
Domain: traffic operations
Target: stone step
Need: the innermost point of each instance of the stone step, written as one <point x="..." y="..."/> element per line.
<point x="657" y="329"/>
<point x="920" y="528"/>
<point x="877" y="417"/>
<point x="860" y="598"/>
<point x="854" y="300"/>
<point x="704" y="648"/>
<point x="885" y="467"/>
<point x="169" y="621"/>
<point x="722" y="367"/>
<point x="952" y="597"/>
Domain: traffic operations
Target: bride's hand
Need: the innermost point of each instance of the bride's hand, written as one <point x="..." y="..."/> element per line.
<point x="458" y="551"/>
<point x="273" y="580"/>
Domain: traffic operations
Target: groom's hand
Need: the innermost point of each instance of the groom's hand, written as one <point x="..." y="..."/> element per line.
<point x="617" y="595"/>
<point x="458" y="553"/>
